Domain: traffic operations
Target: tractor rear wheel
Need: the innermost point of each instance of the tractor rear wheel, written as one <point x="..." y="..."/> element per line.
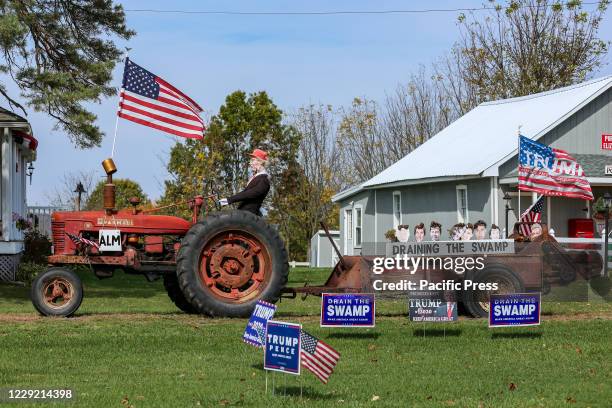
<point x="57" y="292"/>
<point x="230" y="261"/>
<point x="477" y="301"/>
<point x="176" y="294"/>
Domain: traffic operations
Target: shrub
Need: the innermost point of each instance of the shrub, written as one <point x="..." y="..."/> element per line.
<point x="37" y="247"/>
<point x="27" y="271"/>
<point x="390" y="235"/>
<point x="34" y="258"/>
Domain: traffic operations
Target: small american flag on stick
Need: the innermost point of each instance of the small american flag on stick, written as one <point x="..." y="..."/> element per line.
<point x="148" y="100"/>
<point x="531" y="215"/>
<point x="318" y="357"/>
<point x="80" y="240"/>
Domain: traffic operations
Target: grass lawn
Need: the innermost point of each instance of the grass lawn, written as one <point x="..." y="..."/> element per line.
<point x="129" y="346"/>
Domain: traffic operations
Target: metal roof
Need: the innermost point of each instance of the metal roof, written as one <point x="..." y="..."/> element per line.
<point x="8" y="116"/>
<point x="347" y="192"/>
<point x="486" y="137"/>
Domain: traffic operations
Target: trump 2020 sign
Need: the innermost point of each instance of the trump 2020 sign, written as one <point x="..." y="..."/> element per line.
<point x="347" y="310"/>
<point x="255" y="331"/>
<point x="514" y="309"/>
<point x="282" y="351"/>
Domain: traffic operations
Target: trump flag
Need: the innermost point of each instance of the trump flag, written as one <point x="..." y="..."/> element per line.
<point x="551" y="172"/>
<point x="148" y="100"/>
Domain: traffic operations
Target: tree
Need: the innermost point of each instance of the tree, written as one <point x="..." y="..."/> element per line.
<point x="219" y="162"/>
<point x="413" y="113"/>
<point x="524" y="47"/>
<point x="64" y="195"/>
<point x="371" y="138"/>
<point x="124" y="190"/>
<point x="360" y="140"/>
<point x="304" y="196"/>
<point x="60" y="54"/>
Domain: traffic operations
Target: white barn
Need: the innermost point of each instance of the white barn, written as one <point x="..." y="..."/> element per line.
<point x="322" y="253"/>
<point x="462" y="173"/>
<point x="17" y="151"/>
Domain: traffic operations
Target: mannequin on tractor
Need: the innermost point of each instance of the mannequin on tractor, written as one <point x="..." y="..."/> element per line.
<point x="217" y="264"/>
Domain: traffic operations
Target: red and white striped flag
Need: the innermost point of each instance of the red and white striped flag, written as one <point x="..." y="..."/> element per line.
<point x="551" y="172"/>
<point x="531" y="215"/>
<point x="318" y="357"/>
<point x="80" y="240"/>
<point x="148" y="100"/>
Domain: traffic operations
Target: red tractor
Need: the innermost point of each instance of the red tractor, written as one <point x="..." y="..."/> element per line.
<point x="218" y="266"/>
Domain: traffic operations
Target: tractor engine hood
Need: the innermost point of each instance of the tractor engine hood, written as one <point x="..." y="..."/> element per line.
<point x="126" y="221"/>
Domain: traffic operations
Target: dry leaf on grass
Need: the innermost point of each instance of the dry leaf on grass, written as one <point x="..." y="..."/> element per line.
<point x="125" y="401"/>
<point x="512" y="386"/>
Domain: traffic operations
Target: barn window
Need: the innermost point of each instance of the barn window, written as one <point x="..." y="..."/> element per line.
<point x="358" y="221"/>
<point x="462" y="204"/>
<point x="348" y="228"/>
<point x="397" y="208"/>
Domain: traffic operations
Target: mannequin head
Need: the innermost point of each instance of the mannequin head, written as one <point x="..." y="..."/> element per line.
<point x="419" y="232"/>
<point x="494" y="233"/>
<point x="434" y="231"/>
<point x="480" y="230"/>
<point x="536" y="231"/>
<point x="468" y="233"/>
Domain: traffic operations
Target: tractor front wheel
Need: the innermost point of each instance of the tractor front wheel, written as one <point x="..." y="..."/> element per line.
<point x="57" y="292"/>
<point x="230" y="261"/>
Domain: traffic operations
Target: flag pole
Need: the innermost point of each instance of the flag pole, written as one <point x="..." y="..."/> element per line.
<point x="518" y="156"/>
<point x="127" y="55"/>
<point x="115" y="135"/>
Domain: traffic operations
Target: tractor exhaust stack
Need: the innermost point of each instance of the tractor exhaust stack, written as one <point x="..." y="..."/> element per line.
<point x="109" y="187"/>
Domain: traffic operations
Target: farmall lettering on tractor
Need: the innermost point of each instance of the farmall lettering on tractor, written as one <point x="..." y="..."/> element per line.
<point x="220" y="265"/>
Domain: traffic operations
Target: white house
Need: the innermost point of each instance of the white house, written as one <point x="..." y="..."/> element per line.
<point x="17" y="151"/>
<point x="463" y="173"/>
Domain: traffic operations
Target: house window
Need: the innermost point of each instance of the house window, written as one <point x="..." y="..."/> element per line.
<point x="397" y="209"/>
<point x="348" y="227"/>
<point x="358" y="220"/>
<point x="462" y="204"/>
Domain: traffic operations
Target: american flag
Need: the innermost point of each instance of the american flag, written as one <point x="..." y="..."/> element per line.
<point x="531" y="215"/>
<point x="318" y="357"/>
<point x="80" y="240"/>
<point x="551" y="172"/>
<point x="150" y="101"/>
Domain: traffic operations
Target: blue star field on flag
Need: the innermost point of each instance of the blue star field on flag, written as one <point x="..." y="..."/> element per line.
<point x="138" y="80"/>
<point x="530" y="150"/>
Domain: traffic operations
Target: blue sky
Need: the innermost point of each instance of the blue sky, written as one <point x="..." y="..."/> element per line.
<point x="297" y="59"/>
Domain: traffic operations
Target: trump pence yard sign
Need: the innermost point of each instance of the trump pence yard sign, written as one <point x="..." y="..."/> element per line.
<point x="282" y="351"/>
<point x="347" y="310"/>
